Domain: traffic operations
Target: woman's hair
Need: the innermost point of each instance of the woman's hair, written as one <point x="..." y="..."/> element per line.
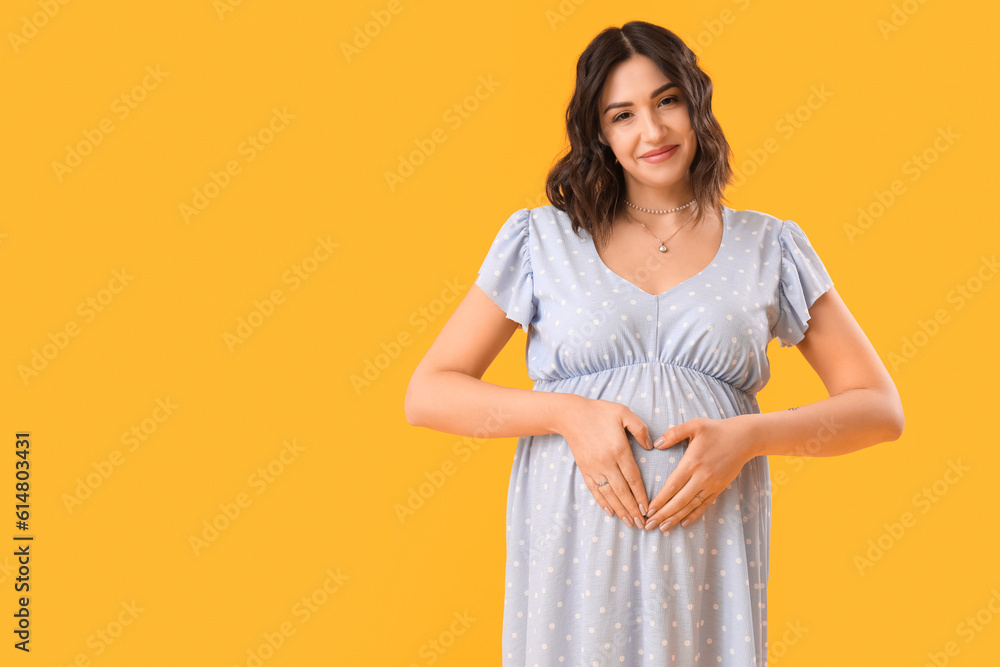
<point x="587" y="183"/>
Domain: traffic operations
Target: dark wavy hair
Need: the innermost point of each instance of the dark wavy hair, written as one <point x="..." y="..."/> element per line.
<point x="587" y="181"/>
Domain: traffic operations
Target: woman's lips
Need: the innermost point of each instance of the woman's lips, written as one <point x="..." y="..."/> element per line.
<point x="660" y="156"/>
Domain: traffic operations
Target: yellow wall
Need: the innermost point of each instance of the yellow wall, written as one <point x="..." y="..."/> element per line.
<point x="173" y="169"/>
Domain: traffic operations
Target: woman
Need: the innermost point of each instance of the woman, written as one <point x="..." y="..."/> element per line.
<point x="649" y="307"/>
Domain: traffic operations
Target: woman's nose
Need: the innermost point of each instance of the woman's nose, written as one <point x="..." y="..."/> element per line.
<point x="654" y="128"/>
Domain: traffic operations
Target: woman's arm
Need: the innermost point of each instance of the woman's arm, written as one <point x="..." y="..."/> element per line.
<point x="446" y="393"/>
<point x="863" y="409"/>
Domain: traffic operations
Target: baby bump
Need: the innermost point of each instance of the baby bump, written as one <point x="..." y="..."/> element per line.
<point x="741" y="497"/>
<point x="545" y="475"/>
<point x="656" y="465"/>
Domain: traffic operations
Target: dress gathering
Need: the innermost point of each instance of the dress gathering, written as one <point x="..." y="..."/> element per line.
<point x="580" y="588"/>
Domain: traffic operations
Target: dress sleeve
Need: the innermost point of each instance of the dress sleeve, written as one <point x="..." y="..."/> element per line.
<point x="505" y="275"/>
<point x="802" y="280"/>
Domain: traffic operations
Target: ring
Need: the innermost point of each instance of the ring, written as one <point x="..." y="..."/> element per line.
<point x="602" y="483"/>
<point x="698" y="496"/>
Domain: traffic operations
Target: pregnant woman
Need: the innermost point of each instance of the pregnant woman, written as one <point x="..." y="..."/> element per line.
<point x="639" y="505"/>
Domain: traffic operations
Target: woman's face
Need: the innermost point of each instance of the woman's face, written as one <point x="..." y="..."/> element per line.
<point x="648" y="113"/>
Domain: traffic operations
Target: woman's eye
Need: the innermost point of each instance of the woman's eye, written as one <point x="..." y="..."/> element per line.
<point x="671" y="98"/>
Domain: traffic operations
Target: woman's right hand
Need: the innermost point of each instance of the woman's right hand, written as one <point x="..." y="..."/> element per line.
<point x="596" y="432"/>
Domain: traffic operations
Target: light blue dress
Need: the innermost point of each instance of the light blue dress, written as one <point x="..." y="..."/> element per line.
<point x="580" y="587"/>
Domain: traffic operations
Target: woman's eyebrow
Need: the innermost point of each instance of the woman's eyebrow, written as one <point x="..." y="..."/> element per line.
<point x="663" y="88"/>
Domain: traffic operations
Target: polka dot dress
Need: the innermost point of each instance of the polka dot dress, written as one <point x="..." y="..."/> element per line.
<point x="581" y="589"/>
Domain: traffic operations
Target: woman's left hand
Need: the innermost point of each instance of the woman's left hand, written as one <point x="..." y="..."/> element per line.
<point x="717" y="451"/>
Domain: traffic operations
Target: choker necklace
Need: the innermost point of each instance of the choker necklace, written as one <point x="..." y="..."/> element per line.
<point x="663" y="243"/>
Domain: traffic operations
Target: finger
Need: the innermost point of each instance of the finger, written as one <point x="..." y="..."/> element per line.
<point x="687" y="514"/>
<point x="623" y="490"/>
<point x="677" y="507"/>
<point x="659" y="500"/>
<point x="699" y="510"/>
<point x="610" y="498"/>
<point x="598" y="496"/>
<point x="676" y="481"/>
<point x="673" y="436"/>
<point x="638" y="429"/>
<point x="637" y="490"/>
<point x="662" y="442"/>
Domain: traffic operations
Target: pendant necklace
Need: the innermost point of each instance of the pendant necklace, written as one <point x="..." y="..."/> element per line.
<point x="663" y="242"/>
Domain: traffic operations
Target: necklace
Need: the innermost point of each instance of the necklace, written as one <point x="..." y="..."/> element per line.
<point x="663" y="243"/>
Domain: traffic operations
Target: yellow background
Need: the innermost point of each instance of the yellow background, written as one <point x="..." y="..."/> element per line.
<point x="350" y="117"/>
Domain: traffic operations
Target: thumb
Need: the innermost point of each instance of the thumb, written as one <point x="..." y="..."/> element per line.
<point x="674" y="435"/>
<point x="638" y="429"/>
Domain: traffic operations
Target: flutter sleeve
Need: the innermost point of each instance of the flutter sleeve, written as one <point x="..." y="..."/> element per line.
<point x="505" y="275"/>
<point x="803" y="279"/>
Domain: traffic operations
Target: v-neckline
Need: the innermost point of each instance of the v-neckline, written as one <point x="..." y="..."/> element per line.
<point x="722" y="244"/>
